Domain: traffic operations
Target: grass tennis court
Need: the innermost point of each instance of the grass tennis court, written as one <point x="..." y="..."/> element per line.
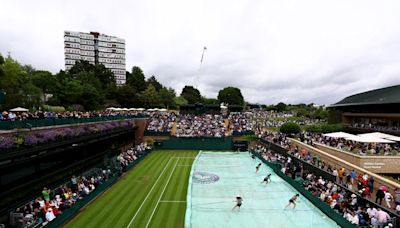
<point x="152" y="194"/>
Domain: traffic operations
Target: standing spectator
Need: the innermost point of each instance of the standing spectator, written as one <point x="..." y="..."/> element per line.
<point x="379" y="196"/>
<point x="388" y="198"/>
<point x="46" y="194"/>
<point x="382" y="216"/>
<point x="397" y="196"/>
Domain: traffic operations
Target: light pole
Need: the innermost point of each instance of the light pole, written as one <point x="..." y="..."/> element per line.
<point x="201" y="63"/>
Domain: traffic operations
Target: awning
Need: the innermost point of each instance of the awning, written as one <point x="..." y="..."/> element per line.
<point x="382" y="136"/>
<point x="19" y="109"/>
<point x="368" y="139"/>
<point x="338" y="135"/>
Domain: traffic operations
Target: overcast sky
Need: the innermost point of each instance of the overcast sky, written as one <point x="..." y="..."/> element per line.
<point x="290" y="51"/>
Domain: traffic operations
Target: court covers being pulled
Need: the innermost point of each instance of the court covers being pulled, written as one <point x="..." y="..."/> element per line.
<point x="178" y="188"/>
<point x="218" y="177"/>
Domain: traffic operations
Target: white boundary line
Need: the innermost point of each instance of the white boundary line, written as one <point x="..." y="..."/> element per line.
<point x="183" y="165"/>
<point x="148" y="194"/>
<point x="173" y="201"/>
<point x="186" y="157"/>
<point x="162" y="193"/>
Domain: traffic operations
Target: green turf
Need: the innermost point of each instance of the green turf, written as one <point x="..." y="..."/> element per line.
<point x="139" y="200"/>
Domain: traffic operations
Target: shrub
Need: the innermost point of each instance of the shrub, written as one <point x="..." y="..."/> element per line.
<point x="290" y="128"/>
<point x="325" y="128"/>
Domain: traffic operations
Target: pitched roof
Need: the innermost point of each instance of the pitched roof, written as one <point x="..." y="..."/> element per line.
<point x="387" y="95"/>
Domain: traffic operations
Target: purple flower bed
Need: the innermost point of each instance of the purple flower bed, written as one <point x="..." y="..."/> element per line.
<point x="51" y="135"/>
<point x="7" y="142"/>
<point x="30" y="140"/>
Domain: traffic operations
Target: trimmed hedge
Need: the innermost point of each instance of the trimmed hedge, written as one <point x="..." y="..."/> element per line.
<point x="325" y="128"/>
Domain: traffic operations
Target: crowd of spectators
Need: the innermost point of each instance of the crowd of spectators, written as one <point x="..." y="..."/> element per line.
<point x="14" y="116"/>
<point x="161" y="121"/>
<point x="240" y="122"/>
<point x="359" y="148"/>
<point x="376" y="127"/>
<point x="127" y="157"/>
<point x="52" y="203"/>
<point x="262" y="119"/>
<point x="340" y="199"/>
<point x="190" y="125"/>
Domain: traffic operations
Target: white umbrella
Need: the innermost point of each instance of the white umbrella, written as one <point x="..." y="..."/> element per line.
<point x="382" y="136"/>
<point x="163" y="110"/>
<point x="19" y="109"/>
<point x="110" y="108"/>
<point x="140" y="109"/>
<point x="366" y="139"/>
<point x="338" y="135"/>
<point x="132" y="109"/>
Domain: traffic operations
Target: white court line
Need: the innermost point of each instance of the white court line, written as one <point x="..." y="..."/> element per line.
<point x="184" y="165"/>
<point x="173" y="201"/>
<point x="162" y="193"/>
<point x="137" y="212"/>
<point x="186" y="157"/>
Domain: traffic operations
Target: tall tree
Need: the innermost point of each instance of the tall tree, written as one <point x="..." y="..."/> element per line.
<point x="136" y="79"/>
<point x="191" y="94"/>
<point x="167" y="97"/>
<point x="125" y="96"/>
<point x="149" y="97"/>
<point x="281" y="107"/>
<point x="153" y="81"/>
<point x="231" y="95"/>
<point x="17" y="85"/>
<point x="45" y="81"/>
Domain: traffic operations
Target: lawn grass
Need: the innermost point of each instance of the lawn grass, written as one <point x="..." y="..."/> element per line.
<point x="152" y="194"/>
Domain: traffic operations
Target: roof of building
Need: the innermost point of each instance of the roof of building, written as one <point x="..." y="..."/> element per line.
<point x="387" y="95"/>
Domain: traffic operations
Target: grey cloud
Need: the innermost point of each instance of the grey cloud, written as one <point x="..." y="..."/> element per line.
<point x="308" y="51"/>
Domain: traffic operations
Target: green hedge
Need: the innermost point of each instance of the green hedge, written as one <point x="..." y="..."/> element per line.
<point x="290" y="128"/>
<point x="325" y="128"/>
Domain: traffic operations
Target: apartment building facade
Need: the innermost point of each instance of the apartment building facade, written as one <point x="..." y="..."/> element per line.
<point x="96" y="48"/>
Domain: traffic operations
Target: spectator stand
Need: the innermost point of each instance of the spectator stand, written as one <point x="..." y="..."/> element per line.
<point x="310" y="168"/>
<point x="104" y="178"/>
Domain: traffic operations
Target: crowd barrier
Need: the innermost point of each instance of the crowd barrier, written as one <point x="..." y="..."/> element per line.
<point x="195" y="143"/>
<point x="32" y="123"/>
<point x="306" y="166"/>
<point x="156" y="133"/>
<point x="240" y="133"/>
<point x="69" y="213"/>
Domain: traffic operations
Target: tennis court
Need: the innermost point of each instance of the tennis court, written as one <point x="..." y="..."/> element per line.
<point x="217" y="177"/>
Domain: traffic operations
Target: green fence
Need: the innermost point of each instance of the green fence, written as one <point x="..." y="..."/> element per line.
<point x="31" y="123"/>
<point x="156" y="133"/>
<point x="325" y="208"/>
<point x="73" y="210"/>
<point x="195" y="143"/>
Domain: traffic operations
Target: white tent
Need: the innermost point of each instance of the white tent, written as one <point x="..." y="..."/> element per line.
<point x="338" y="135"/>
<point x="382" y="136"/>
<point x="19" y="109"/>
<point x="163" y="110"/>
<point x="140" y="109"/>
<point x="368" y="139"/>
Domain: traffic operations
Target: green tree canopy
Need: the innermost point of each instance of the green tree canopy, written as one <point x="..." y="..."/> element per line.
<point x="136" y="79"/>
<point x="153" y="81"/>
<point x="281" y="107"/>
<point x="167" y="97"/>
<point x="149" y="97"/>
<point x="290" y="128"/>
<point x="191" y="94"/>
<point x="231" y="95"/>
